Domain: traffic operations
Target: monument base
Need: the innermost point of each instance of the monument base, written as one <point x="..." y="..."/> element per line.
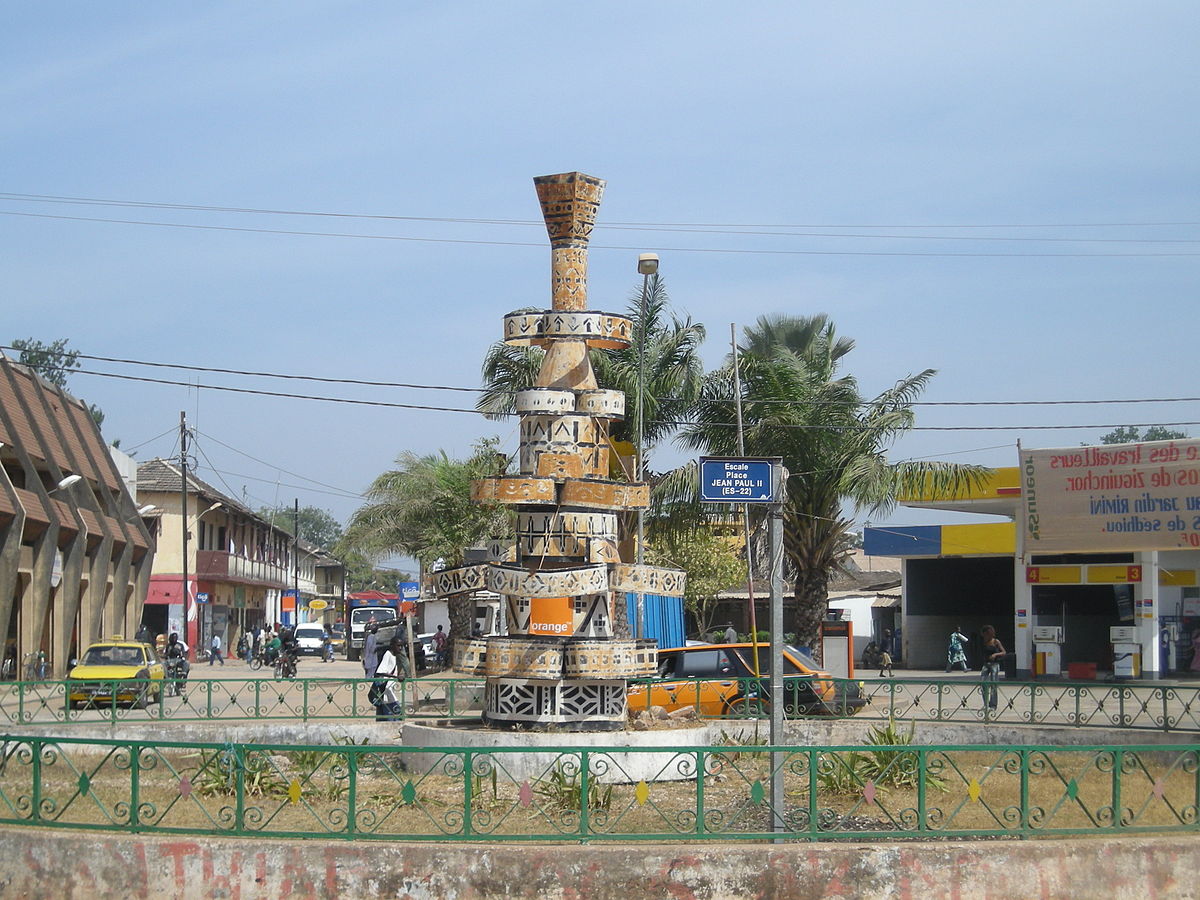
<point x="580" y="704"/>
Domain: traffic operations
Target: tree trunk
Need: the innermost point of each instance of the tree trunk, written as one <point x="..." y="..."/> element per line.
<point x="622" y="628"/>
<point x="812" y="601"/>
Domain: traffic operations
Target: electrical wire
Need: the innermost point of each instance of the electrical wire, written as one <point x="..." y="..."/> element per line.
<point x="146" y="204"/>
<point x="639" y="248"/>
<point x="416" y="406"/>
<point x="470" y="390"/>
<point x="332" y="487"/>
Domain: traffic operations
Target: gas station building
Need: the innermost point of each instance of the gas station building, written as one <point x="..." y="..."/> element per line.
<point x="1087" y="613"/>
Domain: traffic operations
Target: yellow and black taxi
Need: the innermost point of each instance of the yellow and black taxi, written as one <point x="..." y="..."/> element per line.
<point x="720" y="680"/>
<point x="116" y="669"/>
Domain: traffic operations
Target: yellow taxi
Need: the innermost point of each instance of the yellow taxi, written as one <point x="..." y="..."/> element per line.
<point x="130" y="670"/>
<point x="719" y="680"/>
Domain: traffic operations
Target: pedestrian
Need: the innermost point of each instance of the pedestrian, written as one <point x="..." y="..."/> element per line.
<point x="993" y="655"/>
<point x="387" y="688"/>
<point x="730" y="634"/>
<point x="956" y="654"/>
<point x="256" y="645"/>
<point x="214" y="650"/>
<point x="885" y="662"/>
<point x="143" y="634"/>
<point x="370" y="654"/>
<point x="439" y="647"/>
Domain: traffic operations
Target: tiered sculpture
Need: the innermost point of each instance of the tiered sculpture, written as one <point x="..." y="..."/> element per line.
<point x="559" y="663"/>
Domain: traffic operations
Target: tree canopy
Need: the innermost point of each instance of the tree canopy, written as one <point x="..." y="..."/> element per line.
<point x="317" y="526"/>
<point x="798" y="405"/>
<point x="1129" y="434"/>
<point x="54" y="362"/>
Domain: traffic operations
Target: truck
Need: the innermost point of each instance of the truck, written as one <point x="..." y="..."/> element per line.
<point x="365" y="607"/>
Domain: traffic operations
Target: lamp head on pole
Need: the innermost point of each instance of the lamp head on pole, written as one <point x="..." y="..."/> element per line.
<point x="68" y="481"/>
<point x="647" y="263"/>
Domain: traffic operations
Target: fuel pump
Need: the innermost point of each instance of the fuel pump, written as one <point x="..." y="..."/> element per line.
<point x="1047" y="650"/>
<point x="1127" y="653"/>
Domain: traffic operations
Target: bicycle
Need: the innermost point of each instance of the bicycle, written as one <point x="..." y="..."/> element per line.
<point x="35" y="666"/>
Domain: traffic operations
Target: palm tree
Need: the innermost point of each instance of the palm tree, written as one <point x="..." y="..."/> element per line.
<point x="423" y="509"/>
<point x="832" y="441"/>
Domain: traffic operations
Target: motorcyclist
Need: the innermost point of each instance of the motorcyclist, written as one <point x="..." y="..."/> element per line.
<point x="274" y="648"/>
<point x="289" y="647"/>
<point x="177" y="662"/>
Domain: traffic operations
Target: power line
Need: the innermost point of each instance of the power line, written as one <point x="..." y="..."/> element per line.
<point x="332" y="487"/>
<point x="416" y="406"/>
<point x="540" y="244"/>
<point x="442" y="387"/>
<point x="146" y="204"/>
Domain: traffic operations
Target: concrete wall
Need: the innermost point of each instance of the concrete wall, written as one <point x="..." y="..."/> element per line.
<point x="62" y="866"/>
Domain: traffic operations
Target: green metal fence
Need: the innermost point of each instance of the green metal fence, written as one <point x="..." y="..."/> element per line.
<point x="1168" y="708"/>
<point x="722" y="793"/>
<point x="231" y="699"/>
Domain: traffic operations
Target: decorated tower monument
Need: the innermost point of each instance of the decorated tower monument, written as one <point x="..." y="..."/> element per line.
<point x="559" y="663"/>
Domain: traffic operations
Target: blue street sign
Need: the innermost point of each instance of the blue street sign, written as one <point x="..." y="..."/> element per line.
<point x="736" y="480"/>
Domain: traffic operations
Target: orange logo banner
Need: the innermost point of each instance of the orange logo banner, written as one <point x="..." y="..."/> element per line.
<point x="551" y="616"/>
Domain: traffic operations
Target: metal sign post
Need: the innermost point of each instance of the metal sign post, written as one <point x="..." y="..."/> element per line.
<point x="726" y="479"/>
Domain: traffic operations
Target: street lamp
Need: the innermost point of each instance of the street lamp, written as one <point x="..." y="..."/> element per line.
<point x="647" y="266"/>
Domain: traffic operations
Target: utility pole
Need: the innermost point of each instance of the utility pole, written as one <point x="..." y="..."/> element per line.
<point x="183" y="518"/>
<point x="296" y="562"/>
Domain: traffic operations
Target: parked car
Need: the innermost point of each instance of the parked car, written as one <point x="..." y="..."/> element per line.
<point x="719" y="680"/>
<point x="310" y="639"/>
<point x="129" y="669"/>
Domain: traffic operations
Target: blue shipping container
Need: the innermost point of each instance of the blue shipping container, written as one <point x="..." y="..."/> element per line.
<point x="664" y="618"/>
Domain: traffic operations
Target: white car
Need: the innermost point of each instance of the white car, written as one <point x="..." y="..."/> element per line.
<point x="310" y="639"/>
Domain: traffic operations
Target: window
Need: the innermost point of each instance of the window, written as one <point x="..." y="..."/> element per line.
<point x="704" y="664"/>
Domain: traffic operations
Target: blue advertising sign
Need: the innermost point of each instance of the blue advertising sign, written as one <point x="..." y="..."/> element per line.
<point x="736" y="480"/>
<point x="408" y="590"/>
<point x="202" y="597"/>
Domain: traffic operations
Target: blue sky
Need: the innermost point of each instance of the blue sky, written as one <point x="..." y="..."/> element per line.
<point x="921" y="133"/>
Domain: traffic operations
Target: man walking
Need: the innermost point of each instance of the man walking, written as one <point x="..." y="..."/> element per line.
<point x="370" y="655"/>
<point x="214" y="653"/>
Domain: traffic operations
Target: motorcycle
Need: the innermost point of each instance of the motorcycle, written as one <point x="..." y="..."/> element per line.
<point x="285" y="666"/>
<point x="177" y="672"/>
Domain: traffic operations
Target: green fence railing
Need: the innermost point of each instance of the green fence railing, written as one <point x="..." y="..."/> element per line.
<point x="1129" y="705"/>
<point x="722" y="793"/>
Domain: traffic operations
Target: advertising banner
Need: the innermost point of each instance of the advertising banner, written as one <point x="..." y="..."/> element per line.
<point x="1115" y="497"/>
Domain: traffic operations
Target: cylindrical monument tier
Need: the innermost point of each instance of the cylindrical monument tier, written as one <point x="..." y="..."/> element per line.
<point x="610" y="659"/>
<point x="573" y="447"/>
<point x="599" y="330"/>
<point x="524" y="657"/>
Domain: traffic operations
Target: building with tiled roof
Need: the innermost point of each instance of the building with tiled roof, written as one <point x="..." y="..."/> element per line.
<point x="243" y="572"/>
<point x="75" y="551"/>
